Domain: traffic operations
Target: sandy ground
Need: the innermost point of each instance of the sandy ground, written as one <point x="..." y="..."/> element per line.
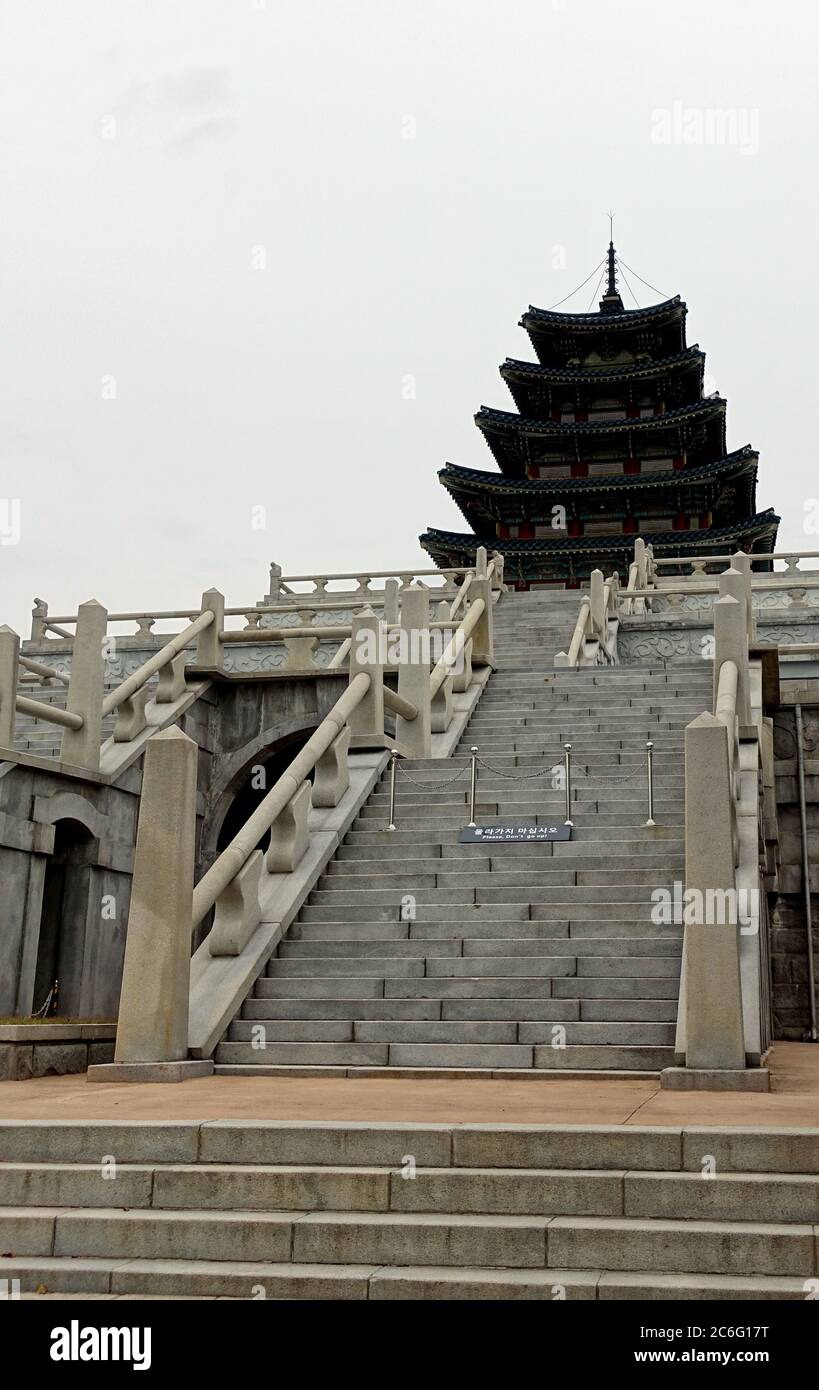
<point x="792" y="1101"/>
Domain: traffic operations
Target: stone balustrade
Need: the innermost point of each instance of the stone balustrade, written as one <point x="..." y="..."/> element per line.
<point x="289" y="632"/>
<point x="153" y="1018"/>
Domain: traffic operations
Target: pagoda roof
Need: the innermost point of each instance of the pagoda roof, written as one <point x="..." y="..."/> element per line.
<point x="512" y="368"/>
<point x="761" y="527"/>
<point x="476" y="481"/>
<point x="507" y="421"/>
<point x="540" y="319"/>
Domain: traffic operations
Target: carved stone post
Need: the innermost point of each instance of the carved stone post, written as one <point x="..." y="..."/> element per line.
<point x="367" y="654"/>
<point x="714" y="1036"/>
<point x="731" y="644"/>
<point x="9" y="656"/>
<point x="209" y="650"/>
<point x="413" y="672"/>
<point x="742" y="562"/>
<point x="152" y="1030"/>
<point x="81" y="747"/>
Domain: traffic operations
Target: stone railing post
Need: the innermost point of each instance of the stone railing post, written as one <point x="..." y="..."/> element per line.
<point x="640" y="561"/>
<point x="731" y="644"/>
<point x="367" y="654"/>
<point x="413" y="672"/>
<point x="81" y="747"/>
<point x="713" y="1024"/>
<point x="39" y="617"/>
<point x="598" y="605"/>
<point x="741" y="562"/>
<point x="152" y="1030"/>
<point x="482" y="634"/>
<point x="391" y="612"/>
<point x="210" y="650"/>
<point x="9" y="658"/>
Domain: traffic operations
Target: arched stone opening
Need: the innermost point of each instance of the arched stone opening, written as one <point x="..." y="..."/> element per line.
<point x="61" y="940"/>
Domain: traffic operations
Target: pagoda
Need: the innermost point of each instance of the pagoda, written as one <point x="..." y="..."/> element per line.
<point x="611" y="438"/>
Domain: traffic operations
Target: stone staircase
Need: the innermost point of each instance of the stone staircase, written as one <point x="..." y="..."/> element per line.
<point x="416" y="952"/>
<point x="317" y="1210"/>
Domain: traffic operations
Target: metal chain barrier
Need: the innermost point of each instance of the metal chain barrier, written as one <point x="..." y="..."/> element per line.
<point x="430" y="786"/>
<point x="566" y="770"/>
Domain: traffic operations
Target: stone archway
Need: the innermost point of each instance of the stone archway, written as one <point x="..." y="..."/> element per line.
<point x="60" y="943"/>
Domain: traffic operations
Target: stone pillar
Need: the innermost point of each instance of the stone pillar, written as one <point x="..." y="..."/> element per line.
<point x="482" y="632"/>
<point x="731" y="644"/>
<point x="598" y="606"/>
<point x="81" y="747"/>
<point x="640" y="561"/>
<point x="367" y="654"/>
<point x="714" y="1037"/>
<point x="741" y="562"/>
<point x="152" y="1030"/>
<point x="9" y="657"/>
<point x="209" y="650"/>
<point x="413" y="673"/>
<point x="391" y="601"/>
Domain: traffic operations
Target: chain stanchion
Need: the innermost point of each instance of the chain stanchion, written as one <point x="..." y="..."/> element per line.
<point x="650" y="774"/>
<point x="473" y="782"/>
<point x="393" y="761"/>
<point x="567" y="748"/>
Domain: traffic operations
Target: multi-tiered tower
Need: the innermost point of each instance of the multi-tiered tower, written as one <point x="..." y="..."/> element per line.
<point x="614" y="438"/>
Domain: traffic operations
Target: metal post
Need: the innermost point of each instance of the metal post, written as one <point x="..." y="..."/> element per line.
<point x="472" y="786"/>
<point x="803" y="826"/>
<point x="568" y="768"/>
<point x="393" y="761"/>
<point x="650" y="771"/>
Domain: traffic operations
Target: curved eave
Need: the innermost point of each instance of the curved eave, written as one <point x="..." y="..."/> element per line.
<point x="475" y="482"/>
<point x="525" y="373"/>
<point x="761" y="527"/>
<point x="543" y="320"/>
<point x="492" y="421"/>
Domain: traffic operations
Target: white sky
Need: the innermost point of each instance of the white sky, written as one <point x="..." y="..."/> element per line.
<point x="240" y="125"/>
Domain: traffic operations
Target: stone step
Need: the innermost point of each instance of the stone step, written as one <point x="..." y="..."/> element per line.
<point x="311" y="1237"/>
<point x="465" y="947"/>
<point x="486" y="859"/>
<point x="448" y="913"/>
<point x="476" y="967"/>
<point x="461" y="1030"/>
<point x="495" y="890"/>
<point x="489" y="932"/>
<point x="707" y="1247"/>
<point x="549" y="873"/>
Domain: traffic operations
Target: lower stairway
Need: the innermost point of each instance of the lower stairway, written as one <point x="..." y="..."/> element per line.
<point x="416" y="952"/>
<point x="317" y="1210"/>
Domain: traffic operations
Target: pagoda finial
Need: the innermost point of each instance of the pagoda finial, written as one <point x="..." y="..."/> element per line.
<point x="611" y="301"/>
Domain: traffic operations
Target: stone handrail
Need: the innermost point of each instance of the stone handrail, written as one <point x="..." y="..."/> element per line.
<point x="166" y="654"/>
<point x="42" y="671"/>
<point x="454" y="648"/>
<point x="234" y="857"/>
<point x="594" y="641"/>
<point x="49" y="714"/>
<point x="698" y="563"/>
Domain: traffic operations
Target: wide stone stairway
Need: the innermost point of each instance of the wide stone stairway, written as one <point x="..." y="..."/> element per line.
<point x="312" y="1210"/>
<point x="416" y="951"/>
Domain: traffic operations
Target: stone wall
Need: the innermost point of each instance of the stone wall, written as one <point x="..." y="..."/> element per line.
<point x="788" y="931"/>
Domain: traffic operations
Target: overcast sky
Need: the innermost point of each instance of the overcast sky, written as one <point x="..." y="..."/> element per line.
<point x="269" y="256"/>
